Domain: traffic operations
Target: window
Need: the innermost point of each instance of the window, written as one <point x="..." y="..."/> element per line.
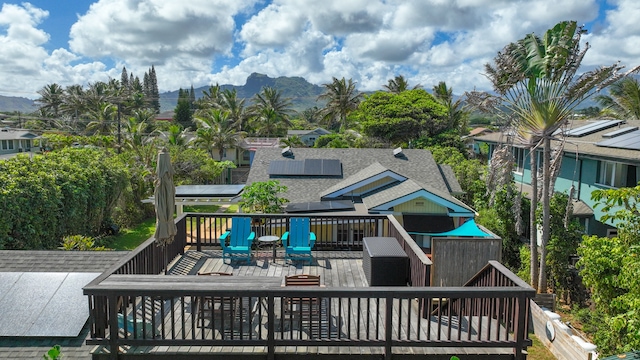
<point x="5" y="146"/>
<point x="10" y="144"/>
<point x="617" y="175"/>
<point x="246" y="156"/>
<point x="520" y="156"/>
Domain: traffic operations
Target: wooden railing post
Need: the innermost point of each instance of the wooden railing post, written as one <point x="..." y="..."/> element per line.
<point x="388" y="325"/>
<point x="113" y="326"/>
<point x="520" y="326"/>
<point x="271" y="327"/>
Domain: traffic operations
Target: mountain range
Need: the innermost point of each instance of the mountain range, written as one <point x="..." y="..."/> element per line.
<point x="302" y="93"/>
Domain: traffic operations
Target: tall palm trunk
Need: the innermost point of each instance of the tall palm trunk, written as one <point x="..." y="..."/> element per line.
<point x="533" y="228"/>
<point x="546" y="224"/>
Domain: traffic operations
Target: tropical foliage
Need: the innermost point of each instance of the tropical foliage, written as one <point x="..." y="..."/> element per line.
<point x="401" y="118"/>
<point x="342" y="98"/>
<point x="538" y="89"/>
<point x="610" y="268"/>
<point x="623" y="101"/>
<point x="264" y="197"/>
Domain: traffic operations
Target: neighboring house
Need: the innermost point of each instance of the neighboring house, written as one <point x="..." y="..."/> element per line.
<point x="468" y="139"/>
<point x="598" y="154"/>
<point x="13" y="141"/>
<point x="165" y="116"/>
<point x="308" y="137"/>
<point x="405" y="183"/>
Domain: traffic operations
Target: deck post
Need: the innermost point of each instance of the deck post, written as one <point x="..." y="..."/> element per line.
<point x="113" y="327"/>
<point x="521" y="329"/>
<point x="388" y="327"/>
<point x="271" y="327"/>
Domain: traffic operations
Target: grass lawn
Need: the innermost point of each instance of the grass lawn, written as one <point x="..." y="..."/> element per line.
<point x="129" y="239"/>
<point x="538" y="351"/>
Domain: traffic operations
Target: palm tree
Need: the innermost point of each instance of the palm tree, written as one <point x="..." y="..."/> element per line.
<point x="623" y="101"/>
<point x="535" y="78"/>
<point x="176" y="135"/>
<point x="342" y="98"/>
<point x="457" y="114"/>
<point x="230" y="102"/>
<point x="104" y="118"/>
<point x="398" y="85"/>
<point x="51" y="98"/>
<point x="270" y="111"/>
<point x="215" y="131"/>
<point x="210" y="98"/>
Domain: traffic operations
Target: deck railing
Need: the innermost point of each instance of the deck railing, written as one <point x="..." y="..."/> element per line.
<point x="494" y="302"/>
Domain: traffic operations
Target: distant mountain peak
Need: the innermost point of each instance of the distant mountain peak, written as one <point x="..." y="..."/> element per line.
<point x="303" y="94"/>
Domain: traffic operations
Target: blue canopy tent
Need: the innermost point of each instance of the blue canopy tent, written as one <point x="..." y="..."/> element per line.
<point x="468" y="229"/>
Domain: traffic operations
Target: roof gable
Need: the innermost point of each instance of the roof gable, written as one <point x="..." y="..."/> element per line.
<point x="365" y="178"/>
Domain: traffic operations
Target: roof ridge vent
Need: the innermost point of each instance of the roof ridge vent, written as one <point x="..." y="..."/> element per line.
<point x="397" y="152"/>
<point x="287" y="152"/>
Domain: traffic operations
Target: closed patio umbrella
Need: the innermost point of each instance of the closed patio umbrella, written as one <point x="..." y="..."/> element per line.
<point x="164" y="201"/>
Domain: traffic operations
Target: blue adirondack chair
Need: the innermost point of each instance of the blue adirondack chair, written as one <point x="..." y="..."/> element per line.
<point x="240" y="239"/>
<point x="299" y="240"/>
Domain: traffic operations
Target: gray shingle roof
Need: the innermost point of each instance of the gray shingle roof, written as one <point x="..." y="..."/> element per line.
<point x="58" y="261"/>
<point x="586" y="145"/>
<point x="73" y="348"/>
<point x="17" y="134"/>
<point x="450" y="178"/>
<point x="366" y="173"/>
<point x="418" y="165"/>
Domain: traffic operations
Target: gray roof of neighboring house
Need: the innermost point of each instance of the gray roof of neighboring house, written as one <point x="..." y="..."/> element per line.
<point x="57" y="260"/>
<point x="319" y="131"/>
<point x="580" y="208"/>
<point x="12" y="134"/>
<point x="73" y="348"/>
<point x="417" y="164"/>
<point x="585" y="145"/>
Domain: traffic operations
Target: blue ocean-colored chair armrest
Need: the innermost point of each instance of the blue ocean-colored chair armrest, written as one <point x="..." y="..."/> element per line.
<point x="285" y="239"/>
<point x="223" y="239"/>
<point x="251" y="237"/>
<point x="312" y="239"/>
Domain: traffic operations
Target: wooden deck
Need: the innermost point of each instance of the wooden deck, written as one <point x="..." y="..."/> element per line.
<point x="338" y="318"/>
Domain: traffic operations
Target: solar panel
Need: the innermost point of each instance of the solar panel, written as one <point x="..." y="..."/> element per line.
<point x="321" y="206"/>
<point x="306" y="167"/>
<point x="619" y="132"/>
<point x="629" y="140"/>
<point x="593" y="127"/>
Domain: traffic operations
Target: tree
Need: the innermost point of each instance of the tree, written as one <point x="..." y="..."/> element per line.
<point x="342" y="98"/>
<point x="263" y="197"/>
<point x="398" y="85"/>
<point x="457" y="115"/>
<point x="183" y="114"/>
<point x="610" y="268"/>
<point x="536" y="81"/>
<point x="51" y="98"/>
<point x="238" y="114"/>
<point x="400" y="118"/>
<point x="271" y="112"/>
<point x="216" y="131"/>
<point x="623" y="101"/>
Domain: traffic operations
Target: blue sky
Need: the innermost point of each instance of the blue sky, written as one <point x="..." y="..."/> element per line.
<point x="201" y="42"/>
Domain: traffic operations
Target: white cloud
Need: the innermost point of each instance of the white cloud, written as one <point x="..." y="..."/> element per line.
<point x="199" y="42"/>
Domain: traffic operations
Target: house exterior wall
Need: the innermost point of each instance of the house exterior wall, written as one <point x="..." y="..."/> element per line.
<point x="583" y="175"/>
<point x="420" y="206"/>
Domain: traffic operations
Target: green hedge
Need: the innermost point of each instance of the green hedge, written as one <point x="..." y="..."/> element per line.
<point x="66" y="192"/>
